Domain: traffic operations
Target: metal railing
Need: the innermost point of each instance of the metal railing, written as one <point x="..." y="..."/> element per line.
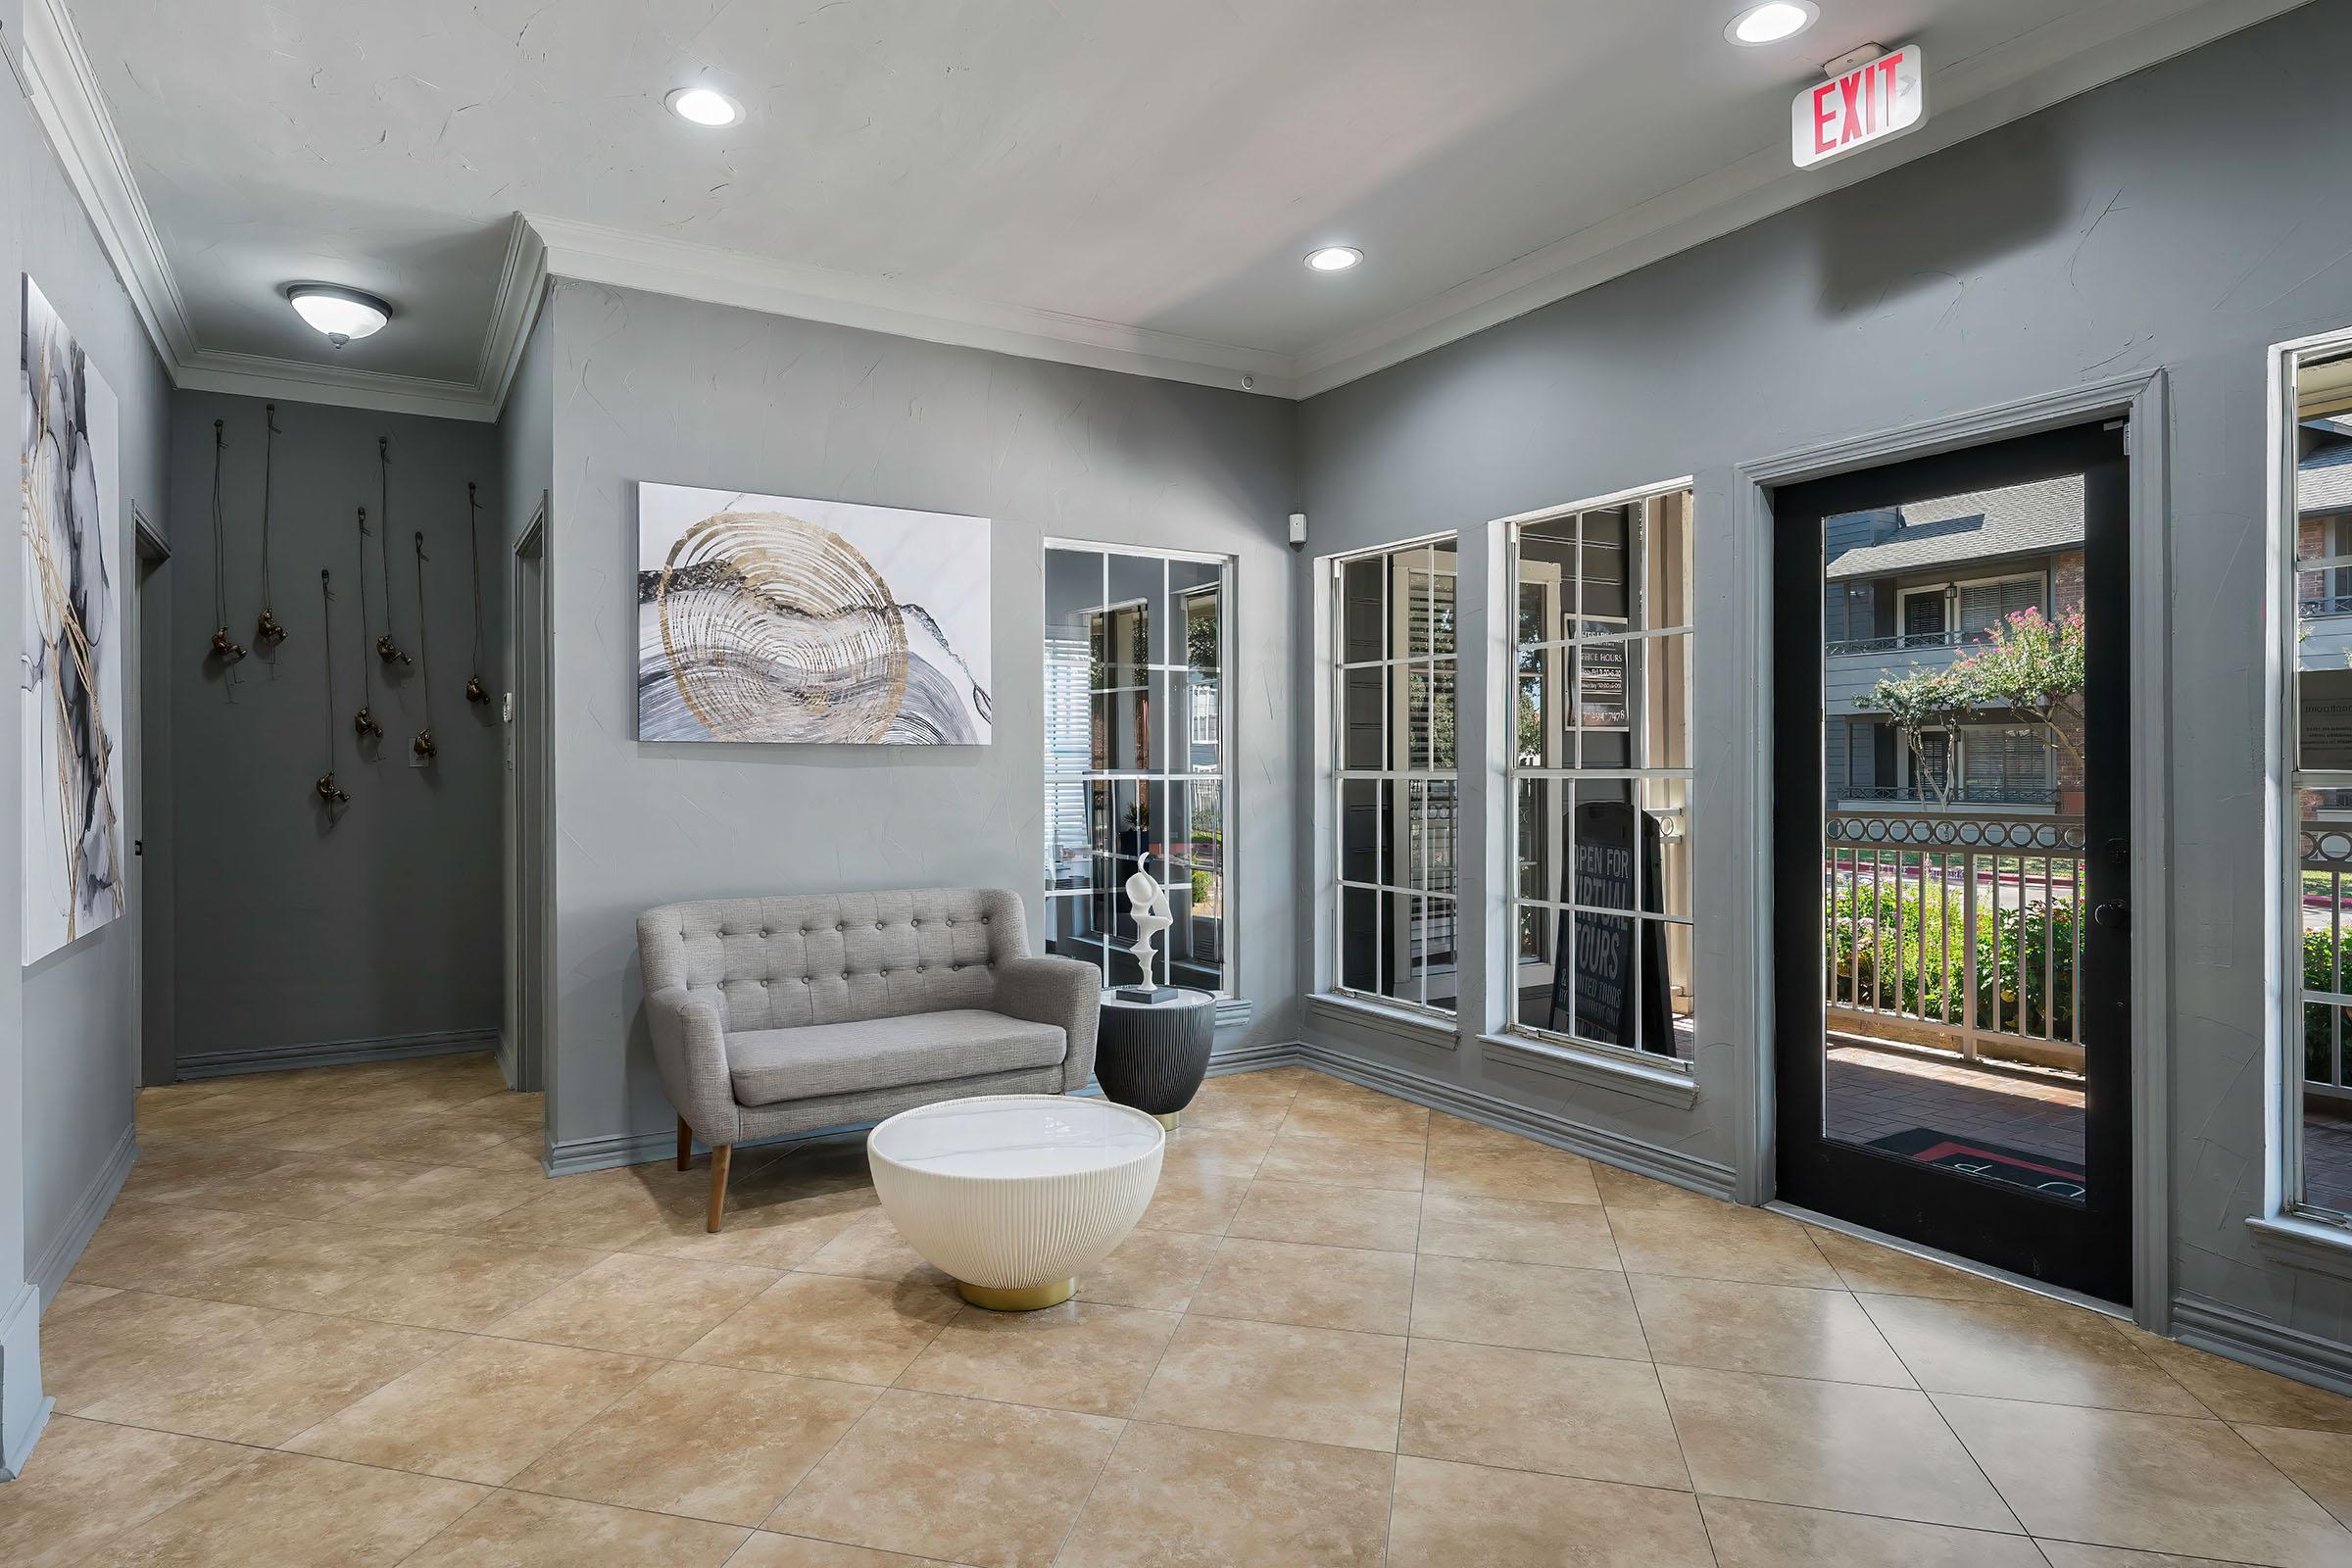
<point x="1955" y="795"/>
<point x="1908" y="640"/>
<point x="1956" y="930"/>
<point x="2327" y="872"/>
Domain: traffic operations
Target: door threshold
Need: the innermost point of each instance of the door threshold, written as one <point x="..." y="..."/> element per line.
<point x="1983" y="1271"/>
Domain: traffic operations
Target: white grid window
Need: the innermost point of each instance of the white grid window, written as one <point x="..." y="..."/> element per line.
<point x="1392" y="746"/>
<point x="2316" y="911"/>
<point x="1136" y="749"/>
<point x="1600" y="777"/>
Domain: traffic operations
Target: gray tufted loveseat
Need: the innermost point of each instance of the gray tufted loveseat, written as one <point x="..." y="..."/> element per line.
<point x="783" y="1016"/>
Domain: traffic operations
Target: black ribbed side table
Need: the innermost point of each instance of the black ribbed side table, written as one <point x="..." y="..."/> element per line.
<point x="1151" y="1055"/>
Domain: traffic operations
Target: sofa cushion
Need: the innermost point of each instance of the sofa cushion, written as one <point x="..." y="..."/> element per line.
<point x="771" y="1065"/>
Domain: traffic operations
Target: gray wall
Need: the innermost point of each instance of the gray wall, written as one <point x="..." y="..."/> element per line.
<point x="646" y="387"/>
<point x="69" y="1025"/>
<point x="2182" y="218"/>
<point x="289" y="931"/>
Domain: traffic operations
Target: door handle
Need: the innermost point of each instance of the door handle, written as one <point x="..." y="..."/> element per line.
<point x="2114" y="914"/>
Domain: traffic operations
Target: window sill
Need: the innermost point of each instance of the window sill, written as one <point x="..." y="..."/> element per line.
<point x="1416" y="1028"/>
<point x="2305" y="1243"/>
<point x="1594" y="1069"/>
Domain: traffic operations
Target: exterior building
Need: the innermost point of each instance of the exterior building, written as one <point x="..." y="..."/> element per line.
<point x="1917" y="588"/>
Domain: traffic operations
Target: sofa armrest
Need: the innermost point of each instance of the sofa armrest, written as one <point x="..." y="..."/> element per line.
<point x="1063" y="991"/>
<point x="690" y="1047"/>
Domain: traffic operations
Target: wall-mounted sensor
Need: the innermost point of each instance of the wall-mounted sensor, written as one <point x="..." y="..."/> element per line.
<point x="1298" y="530"/>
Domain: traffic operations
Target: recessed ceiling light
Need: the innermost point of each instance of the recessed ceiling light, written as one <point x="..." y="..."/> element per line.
<point x="1772" y="21"/>
<point x="1334" y="258"/>
<point x="704" y="106"/>
<point x="342" y="313"/>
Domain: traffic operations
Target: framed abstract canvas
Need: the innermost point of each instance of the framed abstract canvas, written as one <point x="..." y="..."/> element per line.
<point x="780" y="618"/>
<point x="71" y="707"/>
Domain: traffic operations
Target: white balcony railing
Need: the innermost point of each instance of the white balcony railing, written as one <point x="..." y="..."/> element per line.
<point x="1956" y="930"/>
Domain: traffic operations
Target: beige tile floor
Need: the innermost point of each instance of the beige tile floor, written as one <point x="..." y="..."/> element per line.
<point x="338" y="1318"/>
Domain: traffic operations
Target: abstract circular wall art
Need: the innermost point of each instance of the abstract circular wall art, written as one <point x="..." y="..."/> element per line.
<point x="773" y="618"/>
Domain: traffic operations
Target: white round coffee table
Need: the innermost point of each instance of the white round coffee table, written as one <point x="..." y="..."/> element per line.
<point x="1016" y="1194"/>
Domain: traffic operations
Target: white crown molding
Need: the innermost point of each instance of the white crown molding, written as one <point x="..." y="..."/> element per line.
<point x="2029" y="73"/>
<point x="2053" y="62"/>
<point x="63" y="93"/>
<point x="63" y="90"/>
<point x="596" y="254"/>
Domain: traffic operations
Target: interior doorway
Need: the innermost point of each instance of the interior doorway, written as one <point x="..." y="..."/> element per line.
<point x="151" y="886"/>
<point x="1951" y="837"/>
<point x="527" y="869"/>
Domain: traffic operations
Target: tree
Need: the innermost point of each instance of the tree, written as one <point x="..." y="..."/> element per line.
<point x="2029" y="665"/>
<point x="2033" y="666"/>
<point x="1925" y="703"/>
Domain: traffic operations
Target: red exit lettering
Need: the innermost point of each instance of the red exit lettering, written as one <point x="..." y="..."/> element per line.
<point x="1853" y="106"/>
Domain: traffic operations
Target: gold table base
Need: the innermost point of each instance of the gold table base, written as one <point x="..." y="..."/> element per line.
<point x="1034" y="1299"/>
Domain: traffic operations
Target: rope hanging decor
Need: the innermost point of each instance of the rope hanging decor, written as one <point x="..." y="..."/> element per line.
<point x="267" y="632"/>
<point x="364" y="723"/>
<point x="475" y="691"/>
<point x="385" y="647"/>
<point x="328" y="791"/>
<point x="221" y="647"/>
<point x="422" y="745"/>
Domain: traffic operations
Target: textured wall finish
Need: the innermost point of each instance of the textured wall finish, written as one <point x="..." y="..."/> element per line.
<point x="647" y="388"/>
<point x="2182" y="218"/>
<point x="290" y="931"/>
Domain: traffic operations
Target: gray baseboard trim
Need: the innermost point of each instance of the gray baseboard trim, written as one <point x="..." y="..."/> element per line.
<point x="335" y="1053"/>
<point x="24" y="1407"/>
<point x="1704" y="1176"/>
<point x="1252" y="1059"/>
<point x="508" y="1067"/>
<point x="2241" y="1336"/>
<point x="90" y="1209"/>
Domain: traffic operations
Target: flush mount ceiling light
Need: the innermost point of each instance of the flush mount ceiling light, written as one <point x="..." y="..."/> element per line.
<point x="704" y="106"/>
<point x="1772" y="21"/>
<point x="1333" y="258"/>
<point x="342" y="313"/>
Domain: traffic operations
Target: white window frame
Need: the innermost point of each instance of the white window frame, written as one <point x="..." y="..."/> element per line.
<point x="1562" y="651"/>
<point x="1338" y="776"/>
<point x="1174" y="745"/>
<point x="2307" y="1234"/>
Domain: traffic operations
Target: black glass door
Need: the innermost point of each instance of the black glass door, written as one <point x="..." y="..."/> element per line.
<point x="1951" y="841"/>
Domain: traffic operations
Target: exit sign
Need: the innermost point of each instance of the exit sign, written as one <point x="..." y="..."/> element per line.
<point x="1859" y="107"/>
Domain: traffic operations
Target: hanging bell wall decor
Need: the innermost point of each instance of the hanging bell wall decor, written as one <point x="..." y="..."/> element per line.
<point x="364" y="723"/>
<point x="422" y="746"/>
<point x="475" y="692"/>
<point x="267" y="632"/>
<point x="220" y="649"/>
<point x="328" y="791"/>
<point x="387" y="649"/>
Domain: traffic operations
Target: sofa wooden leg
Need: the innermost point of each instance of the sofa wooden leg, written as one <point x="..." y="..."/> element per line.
<point x="720" y="1156"/>
<point x="685" y="1143"/>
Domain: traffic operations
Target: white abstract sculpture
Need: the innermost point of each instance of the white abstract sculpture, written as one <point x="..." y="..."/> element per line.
<point x="1149" y="902"/>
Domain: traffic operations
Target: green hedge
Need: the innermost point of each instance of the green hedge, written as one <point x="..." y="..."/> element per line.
<point x="1929" y="933"/>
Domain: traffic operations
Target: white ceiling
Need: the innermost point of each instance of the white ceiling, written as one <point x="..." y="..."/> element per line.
<point x="1134" y="180"/>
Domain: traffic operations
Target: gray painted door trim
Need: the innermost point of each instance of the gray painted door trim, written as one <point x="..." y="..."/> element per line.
<point x="2141" y="398"/>
<point x="527" y="967"/>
